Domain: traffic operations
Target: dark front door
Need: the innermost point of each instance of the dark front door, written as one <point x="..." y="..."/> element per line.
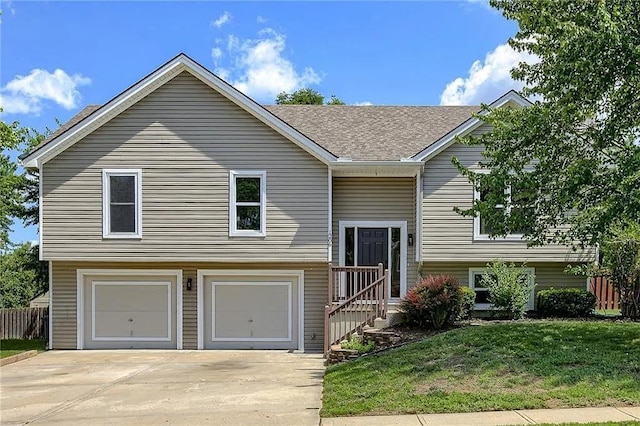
<point x="373" y="246"/>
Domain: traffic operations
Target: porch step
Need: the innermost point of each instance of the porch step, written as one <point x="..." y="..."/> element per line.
<point x="393" y="318"/>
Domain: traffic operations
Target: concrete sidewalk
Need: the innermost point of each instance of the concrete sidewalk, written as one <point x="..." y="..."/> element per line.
<point x="495" y="418"/>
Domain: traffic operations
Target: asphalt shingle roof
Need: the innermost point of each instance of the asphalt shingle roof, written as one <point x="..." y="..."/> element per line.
<point x="372" y="133"/>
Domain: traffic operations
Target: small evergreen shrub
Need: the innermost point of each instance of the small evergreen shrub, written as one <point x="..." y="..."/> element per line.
<point x="467" y="303"/>
<point x="509" y="288"/>
<point x="433" y="302"/>
<point x="566" y="303"/>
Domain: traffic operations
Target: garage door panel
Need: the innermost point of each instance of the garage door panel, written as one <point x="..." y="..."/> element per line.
<point x="257" y="310"/>
<point x="130" y="311"/>
<point x="142" y="324"/>
<point x="127" y="297"/>
<point x="251" y="312"/>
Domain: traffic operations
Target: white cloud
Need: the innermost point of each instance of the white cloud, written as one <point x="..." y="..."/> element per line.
<point x="487" y="80"/>
<point x="26" y="94"/>
<point x="216" y="53"/>
<point x="365" y="103"/>
<point x="222" y="19"/>
<point x="258" y="67"/>
<point x="261" y="20"/>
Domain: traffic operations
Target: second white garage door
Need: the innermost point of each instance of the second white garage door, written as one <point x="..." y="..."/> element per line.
<point x="254" y="311"/>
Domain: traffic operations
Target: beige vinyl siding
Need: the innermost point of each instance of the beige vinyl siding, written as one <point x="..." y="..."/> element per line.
<point x="547" y="274"/>
<point x="369" y="199"/>
<point x="186" y="138"/>
<point x="64" y="297"/>
<point x="448" y="236"/>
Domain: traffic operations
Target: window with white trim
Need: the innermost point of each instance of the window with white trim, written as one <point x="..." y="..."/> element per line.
<point x="247" y="203"/>
<point x="482" y="293"/>
<point x="515" y="201"/>
<point x="122" y="203"/>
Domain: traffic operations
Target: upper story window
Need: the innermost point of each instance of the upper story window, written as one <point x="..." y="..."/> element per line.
<point x="247" y="203"/>
<point x="516" y="201"/>
<point x="122" y="203"/>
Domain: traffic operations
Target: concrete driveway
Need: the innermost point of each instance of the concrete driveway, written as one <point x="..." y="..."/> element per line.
<point x="168" y="387"/>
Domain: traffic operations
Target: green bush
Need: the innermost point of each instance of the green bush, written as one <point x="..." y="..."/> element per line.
<point x="509" y="288"/>
<point x="566" y="302"/>
<point x="433" y="301"/>
<point x="356" y="344"/>
<point x="467" y="303"/>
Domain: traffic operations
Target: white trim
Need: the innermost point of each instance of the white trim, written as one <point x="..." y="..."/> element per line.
<point x="50" y="265"/>
<point x="202" y="273"/>
<point x="40" y="214"/>
<point x="487" y="306"/>
<point x="329" y="215"/>
<point x="82" y="273"/>
<point x="402" y="224"/>
<point x="233" y="204"/>
<point x="467" y="127"/>
<point x="154" y="80"/>
<point x="287" y="284"/>
<point x="418" y="237"/>
<point x="95" y="338"/>
<point x="106" y="196"/>
<point x="477" y="236"/>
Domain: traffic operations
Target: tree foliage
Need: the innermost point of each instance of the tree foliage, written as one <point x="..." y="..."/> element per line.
<point x="18" y="188"/>
<point x="622" y="258"/>
<point x="22" y="276"/>
<point x="574" y="154"/>
<point x="305" y="96"/>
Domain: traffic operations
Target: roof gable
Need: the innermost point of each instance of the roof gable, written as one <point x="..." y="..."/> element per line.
<point x="509" y="98"/>
<point x="91" y="118"/>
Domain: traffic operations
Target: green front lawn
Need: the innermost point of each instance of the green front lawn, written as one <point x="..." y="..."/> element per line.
<point x="539" y="364"/>
<point x="15" y="346"/>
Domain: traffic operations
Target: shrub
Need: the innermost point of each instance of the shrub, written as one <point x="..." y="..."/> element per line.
<point x="467" y="303"/>
<point x="433" y="301"/>
<point x="509" y="288"/>
<point x="566" y="302"/>
<point x="355" y="343"/>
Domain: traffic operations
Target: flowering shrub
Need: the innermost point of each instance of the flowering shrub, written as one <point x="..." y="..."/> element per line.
<point x="433" y="302"/>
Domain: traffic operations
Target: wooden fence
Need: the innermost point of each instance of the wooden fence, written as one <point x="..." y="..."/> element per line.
<point x="606" y="295"/>
<point x="24" y="323"/>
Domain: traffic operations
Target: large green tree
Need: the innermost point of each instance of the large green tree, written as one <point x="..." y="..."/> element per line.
<point x="18" y="188"/>
<point x="22" y="276"/>
<point x="306" y="96"/>
<point x="567" y="168"/>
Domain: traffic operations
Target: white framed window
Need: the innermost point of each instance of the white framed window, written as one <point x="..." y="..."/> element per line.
<point x="122" y="203"/>
<point x="481" y="230"/>
<point x="248" y="203"/>
<point x="482" y="293"/>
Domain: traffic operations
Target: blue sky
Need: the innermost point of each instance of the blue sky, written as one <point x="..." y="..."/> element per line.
<point x="59" y="56"/>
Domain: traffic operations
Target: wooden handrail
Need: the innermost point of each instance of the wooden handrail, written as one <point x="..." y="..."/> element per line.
<point x="346" y="280"/>
<point x="341" y="321"/>
<point x="357" y="295"/>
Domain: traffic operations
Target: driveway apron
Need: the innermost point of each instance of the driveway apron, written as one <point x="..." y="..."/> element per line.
<point x="169" y="387"/>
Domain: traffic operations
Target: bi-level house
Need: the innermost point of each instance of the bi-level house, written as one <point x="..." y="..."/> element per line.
<point x="182" y="214"/>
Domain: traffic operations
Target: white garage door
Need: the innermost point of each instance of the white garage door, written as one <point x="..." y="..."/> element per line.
<point x="130" y="312"/>
<point x="250" y="312"/>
